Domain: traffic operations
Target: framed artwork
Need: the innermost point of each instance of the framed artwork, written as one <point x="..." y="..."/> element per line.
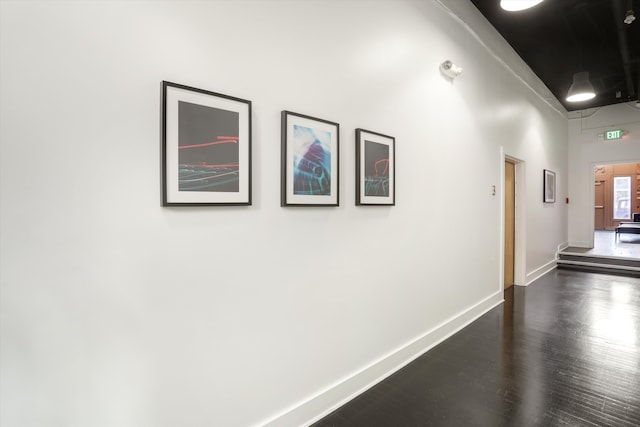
<point x="309" y="161"/>
<point x="549" y="186"/>
<point x="206" y="147"/>
<point x="375" y="168"/>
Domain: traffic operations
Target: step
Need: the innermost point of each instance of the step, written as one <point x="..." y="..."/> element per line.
<point x="599" y="263"/>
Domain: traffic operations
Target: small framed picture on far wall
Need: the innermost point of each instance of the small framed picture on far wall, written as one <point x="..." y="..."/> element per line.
<point x="549" y="186"/>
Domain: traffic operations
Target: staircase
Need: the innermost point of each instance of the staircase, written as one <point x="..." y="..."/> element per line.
<point x="576" y="259"/>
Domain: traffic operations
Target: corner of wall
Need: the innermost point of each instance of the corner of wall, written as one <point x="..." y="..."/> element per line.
<point x="540" y="271"/>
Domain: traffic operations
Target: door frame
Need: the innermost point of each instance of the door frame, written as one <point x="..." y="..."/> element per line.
<point x="596" y="184"/>
<point x="519" y="259"/>
<point x="592" y="201"/>
<point x="509" y="223"/>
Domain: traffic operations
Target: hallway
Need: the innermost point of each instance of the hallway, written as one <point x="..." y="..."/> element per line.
<point x="564" y="351"/>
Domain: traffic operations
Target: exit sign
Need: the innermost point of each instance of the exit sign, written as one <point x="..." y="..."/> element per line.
<point x="613" y="134"/>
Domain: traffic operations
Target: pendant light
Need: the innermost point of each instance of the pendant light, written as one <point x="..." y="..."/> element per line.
<point x="581" y="89"/>
<point x="515" y="5"/>
<point x="629" y="17"/>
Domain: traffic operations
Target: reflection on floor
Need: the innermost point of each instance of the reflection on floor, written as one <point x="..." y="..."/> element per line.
<point x="605" y="243"/>
<point x="564" y="351"/>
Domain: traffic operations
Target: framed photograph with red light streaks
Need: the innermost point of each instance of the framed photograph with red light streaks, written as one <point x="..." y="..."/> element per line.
<point x="310" y="161"/>
<point x="206" y="147"/>
<point x="375" y="168"/>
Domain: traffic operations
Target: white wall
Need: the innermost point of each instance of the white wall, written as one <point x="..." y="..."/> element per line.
<point x="118" y="312"/>
<point x="587" y="149"/>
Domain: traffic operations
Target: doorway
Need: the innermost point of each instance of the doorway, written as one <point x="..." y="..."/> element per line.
<point x="616" y="194"/>
<point x="509" y="223"/>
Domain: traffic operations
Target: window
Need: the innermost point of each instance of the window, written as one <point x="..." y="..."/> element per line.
<point x="622" y="197"/>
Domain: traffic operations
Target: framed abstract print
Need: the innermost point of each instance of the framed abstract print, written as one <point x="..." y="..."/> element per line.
<point x="310" y="161"/>
<point x="206" y="147"/>
<point x="375" y="168"/>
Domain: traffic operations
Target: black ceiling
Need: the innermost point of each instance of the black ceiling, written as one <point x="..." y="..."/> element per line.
<point x="558" y="38"/>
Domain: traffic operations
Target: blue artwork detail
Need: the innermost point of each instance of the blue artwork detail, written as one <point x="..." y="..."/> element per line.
<point x="311" y="161"/>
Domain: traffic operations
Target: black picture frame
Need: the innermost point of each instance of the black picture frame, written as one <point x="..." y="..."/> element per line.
<point x="549" y="186"/>
<point x="310" y="161"/>
<point x="375" y="168"/>
<point x="206" y="147"/>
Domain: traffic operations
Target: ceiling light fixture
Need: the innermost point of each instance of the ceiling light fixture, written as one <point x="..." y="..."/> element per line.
<point x="581" y="89"/>
<point x="515" y="5"/>
<point x="629" y="17"/>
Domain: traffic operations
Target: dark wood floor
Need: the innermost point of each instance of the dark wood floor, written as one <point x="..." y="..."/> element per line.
<point x="564" y="351"/>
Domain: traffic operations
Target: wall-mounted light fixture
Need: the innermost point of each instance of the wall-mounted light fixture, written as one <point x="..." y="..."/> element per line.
<point x="581" y="89"/>
<point x="516" y="5"/>
<point x="450" y="69"/>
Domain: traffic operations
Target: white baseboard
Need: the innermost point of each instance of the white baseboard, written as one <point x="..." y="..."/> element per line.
<point x="540" y="271"/>
<point x="326" y="401"/>
<point x="587" y="245"/>
<point x="563" y="246"/>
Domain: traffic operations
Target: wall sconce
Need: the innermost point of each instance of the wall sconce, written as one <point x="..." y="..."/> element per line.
<point x="450" y="69"/>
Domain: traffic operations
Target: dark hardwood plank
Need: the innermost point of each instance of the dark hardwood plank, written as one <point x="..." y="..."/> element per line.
<point x="564" y="351"/>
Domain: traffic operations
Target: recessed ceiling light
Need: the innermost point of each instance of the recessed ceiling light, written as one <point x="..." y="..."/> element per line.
<point x="515" y="5"/>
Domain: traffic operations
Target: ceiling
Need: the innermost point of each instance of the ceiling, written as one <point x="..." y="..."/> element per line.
<point x="558" y="38"/>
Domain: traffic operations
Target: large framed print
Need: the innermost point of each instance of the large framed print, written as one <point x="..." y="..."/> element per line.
<point x="549" y="186"/>
<point x="375" y="168"/>
<point x="206" y="147"/>
<point x="309" y="161"/>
